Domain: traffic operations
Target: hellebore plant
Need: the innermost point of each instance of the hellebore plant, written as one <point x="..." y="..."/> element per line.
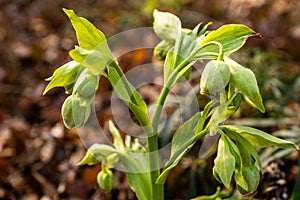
<point x="223" y="79"/>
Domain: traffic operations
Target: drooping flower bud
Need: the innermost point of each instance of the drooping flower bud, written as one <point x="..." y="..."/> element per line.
<point x="166" y="25"/>
<point x="215" y="77"/>
<point x="74" y="115"/>
<point x="252" y="177"/>
<point x="88" y="87"/>
<point x="105" y="180"/>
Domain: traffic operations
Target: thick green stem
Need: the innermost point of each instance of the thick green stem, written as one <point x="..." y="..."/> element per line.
<point x="152" y="142"/>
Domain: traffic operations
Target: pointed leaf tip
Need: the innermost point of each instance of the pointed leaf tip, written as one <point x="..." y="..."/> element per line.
<point x="68" y="12"/>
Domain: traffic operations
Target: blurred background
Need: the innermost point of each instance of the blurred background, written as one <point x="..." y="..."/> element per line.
<point x="38" y="155"/>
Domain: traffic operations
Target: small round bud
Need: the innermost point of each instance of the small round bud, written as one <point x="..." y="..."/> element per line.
<point x="105" y="180"/>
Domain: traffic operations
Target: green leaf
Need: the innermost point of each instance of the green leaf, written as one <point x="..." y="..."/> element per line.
<point x="111" y="160"/>
<point x="182" y="142"/>
<point x="204" y="28"/>
<point x="224" y="162"/>
<point x="94" y="60"/>
<point x="247" y="150"/>
<point x="140" y="183"/>
<point x="168" y="65"/>
<point x="218" y="116"/>
<point x="238" y="174"/>
<point x="137" y="173"/>
<point x="127" y="93"/>
<point x="259" y="138"/>
<point x="90" y="159"/>
<point x="244" y="80"/>
<point x="64" y="75"/>
<point x="166" y="25"/>
<point x="231" y="36"/>
<point x="97" y="153"/>
<point x="87" y="34"/>
<point x="141" y="114"/>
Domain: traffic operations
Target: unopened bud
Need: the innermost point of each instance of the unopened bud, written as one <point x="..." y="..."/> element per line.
<point x="105" y="180"/>
<point x="215" y="77"/>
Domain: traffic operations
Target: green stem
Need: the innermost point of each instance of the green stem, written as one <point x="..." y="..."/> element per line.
<point x="152" y="142"/>
<point x="220" y="46"/>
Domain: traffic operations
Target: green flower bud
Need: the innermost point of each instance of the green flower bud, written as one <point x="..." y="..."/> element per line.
<point x="74" y="115"/>
<point x="252" y="177"/>
<point x="88" y="87"/>
<point x="166" y="25"/>
<point x="215" y="77"/>
<point x="105" y="180"/>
